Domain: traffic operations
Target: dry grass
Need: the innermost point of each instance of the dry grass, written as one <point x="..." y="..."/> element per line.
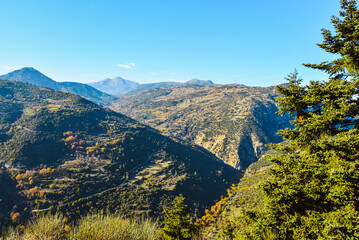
<point x="103" y="227"/>
<point x="96" y="226"/>
<point x="47" y="227"/>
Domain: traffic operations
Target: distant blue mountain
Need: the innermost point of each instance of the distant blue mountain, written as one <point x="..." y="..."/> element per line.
<point x="197" y="82"/>
<point x="114" y="86"/>
<point x="32" y="76"/>
<point x="118" y="85"/>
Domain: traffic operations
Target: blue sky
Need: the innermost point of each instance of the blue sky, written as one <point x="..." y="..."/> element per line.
<point x="227" y="41"/>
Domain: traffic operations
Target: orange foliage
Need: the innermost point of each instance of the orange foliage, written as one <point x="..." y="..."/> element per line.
<point x="34" y="192"/>
<point x="28" y="175"/>
<point x="15" y="216"/>
<point x="73" y="141"/>
<point x="45" y="171"/>
<point x="67" y="228"/>
<point x="70" y="139"/>
<point x="300" y="119"/>
<point x="210" y="215"/>
<point x="92" y="150"/>
<point x="69" y="133"/>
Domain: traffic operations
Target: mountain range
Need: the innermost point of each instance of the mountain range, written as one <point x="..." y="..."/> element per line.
<point x="233" y="122"/>
<point x="120" y="86"/>
<point x="114" y="86"/>
<point x="102" y="92"/>
<point x="33" y="76"/>
<point x="61" y="152"/>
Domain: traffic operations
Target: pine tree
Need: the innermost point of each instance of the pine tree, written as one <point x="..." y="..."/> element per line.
<point x="178" y="224"/>
<point x="344" y="42"/>
<point x="313" y="189"/>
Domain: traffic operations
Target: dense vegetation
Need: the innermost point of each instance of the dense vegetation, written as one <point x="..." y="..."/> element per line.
<point x="231" y="121"/>
<point x="304" y="188"/>
<point x="224" y="220"/>
<point x="310" y="188"/>
<point x="221" y="221"/>
<point x="178" y="223"/>
<point x="312" y="191"/>
<point x="60" y="152"/>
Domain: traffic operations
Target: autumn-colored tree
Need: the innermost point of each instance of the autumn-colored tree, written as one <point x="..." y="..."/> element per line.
<point x="15" y="216"/>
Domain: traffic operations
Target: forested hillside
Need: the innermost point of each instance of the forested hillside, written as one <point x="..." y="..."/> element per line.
<point x="61" y="152"/>
<point x="233" y="122"/>
<point x="187" y="161"/>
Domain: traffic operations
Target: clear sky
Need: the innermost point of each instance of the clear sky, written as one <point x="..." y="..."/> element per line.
<point x="227" y="41"/>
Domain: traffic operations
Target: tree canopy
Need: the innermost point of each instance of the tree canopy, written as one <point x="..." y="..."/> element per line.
<point x="313" y="189"/>
<point x="178" y="224"/>
<point x="343" y="43"/>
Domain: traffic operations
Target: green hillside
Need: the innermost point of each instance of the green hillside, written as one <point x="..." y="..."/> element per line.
<point x="66" y="153"/>
<point x="231" y="121"/>
<point x="225" y="218"/>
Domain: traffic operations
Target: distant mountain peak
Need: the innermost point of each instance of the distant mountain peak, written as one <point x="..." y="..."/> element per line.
<point x="198" y="82"/>
<point x="28" y="70"/>
<point x="114" y="86"/>
<point x="32" y="76"/>
<point x="25" y="69"/>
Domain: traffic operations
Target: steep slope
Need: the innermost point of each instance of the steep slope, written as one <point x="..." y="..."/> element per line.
<point x="223" y="220"/>
<point x="87" y="92"/>
<point x="32" y="76"/>
<point x="68" y="154"/>
<point x="114" y="86"/>
<point x="9" y="197"/>
<point x="232" y="122"/>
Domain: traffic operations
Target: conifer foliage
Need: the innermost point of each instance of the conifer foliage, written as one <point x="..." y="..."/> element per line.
<point x="313" y="189"/>
<point x="344" y="42"/>
<point x="178" y="223"/>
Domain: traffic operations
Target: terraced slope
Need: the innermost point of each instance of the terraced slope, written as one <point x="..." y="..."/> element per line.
<point x="233" y="122"/>
<point x="225" y="219"/>
<point x="65" y="153"/>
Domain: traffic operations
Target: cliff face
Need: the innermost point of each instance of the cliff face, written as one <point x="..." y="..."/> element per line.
<point x="233" y="122"/>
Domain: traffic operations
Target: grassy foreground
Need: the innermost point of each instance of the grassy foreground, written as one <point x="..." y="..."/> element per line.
<point x="95" y="226"/>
